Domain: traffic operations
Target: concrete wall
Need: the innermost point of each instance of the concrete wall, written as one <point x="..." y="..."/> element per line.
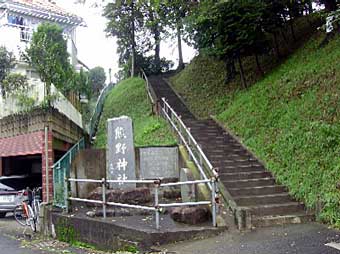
<point x="9" y="105"/>
<point x="88" y="164"/>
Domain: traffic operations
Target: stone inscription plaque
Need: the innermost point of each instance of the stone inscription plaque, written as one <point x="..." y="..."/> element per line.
<point x="120" y="152"/>
<point x="159" y="162"/>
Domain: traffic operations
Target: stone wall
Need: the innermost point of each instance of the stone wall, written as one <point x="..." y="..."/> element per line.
<point x="88" y="164"/>
<point x="36" y="120"/>
<point x="91" y="164"/>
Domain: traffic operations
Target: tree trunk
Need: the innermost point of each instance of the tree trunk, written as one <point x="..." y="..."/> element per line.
<point x="157" y="49"/>
<point x="48" y="94"/>
<point x="243" y="80"/>
<point x="310" y="7"/>
<point x="291" y="24"/>
<point x="180" y="53"/>
<point x="231" y="69"/>
<point x="133" y="41"/>
<point x="276" y="46"/>
<point x="284" y="36"/>
<point x="258" y="64"/>
<point x="330" y="5"/>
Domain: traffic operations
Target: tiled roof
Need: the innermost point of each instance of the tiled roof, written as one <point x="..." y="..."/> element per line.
<point x="46" y="5"/>
<point x="27" y="144"/>
<point x="46" y="9"/>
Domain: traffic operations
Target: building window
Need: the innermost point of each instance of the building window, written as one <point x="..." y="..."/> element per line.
<point x="20" y="22"/>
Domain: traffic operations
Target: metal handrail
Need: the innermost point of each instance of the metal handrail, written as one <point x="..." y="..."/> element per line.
<point x="68" y="153"/>
<point x="147" y="85"/>
<point x="59" y="174"/>
<point x="191" y="138"/>
<point x="200" y="168"/>
<point x="98" y="109"/>
<point x="157" y="206"/>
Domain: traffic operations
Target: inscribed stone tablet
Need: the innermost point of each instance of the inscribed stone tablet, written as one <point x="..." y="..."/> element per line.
<point x="120" y="152"/>
<point x="159" y="162"/>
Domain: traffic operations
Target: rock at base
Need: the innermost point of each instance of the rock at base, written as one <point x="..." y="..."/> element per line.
<point x="172" y="193"/>
<point x="190" y="215"/>
<point x="134" y="196"/>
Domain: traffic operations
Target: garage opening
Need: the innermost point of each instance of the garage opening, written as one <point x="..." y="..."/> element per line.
<point x="27" y="166"/>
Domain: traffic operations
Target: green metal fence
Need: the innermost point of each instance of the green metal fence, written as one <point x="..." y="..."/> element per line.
<point x="61" y="171"/>
<point x="98" y="110"/>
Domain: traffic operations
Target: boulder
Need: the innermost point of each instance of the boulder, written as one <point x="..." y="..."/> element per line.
<point x="131" y="196"/>
<point x="172" y="193"/>
<point x="135" y="196"/>
<point x="190" y="215"/>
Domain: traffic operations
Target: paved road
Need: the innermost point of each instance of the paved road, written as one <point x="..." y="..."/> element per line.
<point x="13" y="241"/>
<point x="293" y="239"/>
<point x="11" y="246"/>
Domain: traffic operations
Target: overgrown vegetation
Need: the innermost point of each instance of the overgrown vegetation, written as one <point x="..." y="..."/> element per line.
<point x="129" y="98"/>
<point x="290" y="119"/>
<point x="203" y="83"/>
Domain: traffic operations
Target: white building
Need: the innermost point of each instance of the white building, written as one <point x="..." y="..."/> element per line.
<point x="30" y="142"/>
<point x="18" y="20"/>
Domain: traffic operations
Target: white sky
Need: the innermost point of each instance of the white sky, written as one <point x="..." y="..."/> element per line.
<point x="95" y="49"/>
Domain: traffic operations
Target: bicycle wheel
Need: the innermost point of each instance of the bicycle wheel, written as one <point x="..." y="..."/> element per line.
<point x="20" y="215"/>
<point x="31" y="219"/>
<point x="36" y="210"/>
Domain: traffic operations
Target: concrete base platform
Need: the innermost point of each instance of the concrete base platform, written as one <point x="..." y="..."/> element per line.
<point x="118" y="233"/>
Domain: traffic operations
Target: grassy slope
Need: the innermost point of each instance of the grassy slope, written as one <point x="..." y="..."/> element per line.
<point x="129" y="98"/>
<point x="290" y="119"/>
<point x="202" y="83"/>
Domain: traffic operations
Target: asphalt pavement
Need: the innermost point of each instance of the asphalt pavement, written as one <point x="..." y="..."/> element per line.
<point x="311" y="238"/>
<point x="9" y="245"/>
<point x="291" y="239"/>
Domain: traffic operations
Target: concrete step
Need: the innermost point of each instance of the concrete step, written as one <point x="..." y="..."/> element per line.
<point x="271" y="220"/>
<point x="237" y="161"/>
<point x="276" y="198"/>
<point x="223" y="146"/>
<point x="226" y="151"/>
<point x="236" y="169"/>
<point x="276" y="209"/>
<point x="258" y="190"/>
<point x="269" y="181"/>
<point x="230" y="155"/>
<point x="244" y="175"/>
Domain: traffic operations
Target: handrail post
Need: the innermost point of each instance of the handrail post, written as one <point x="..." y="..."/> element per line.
<point x="213" y="201"/>
<point x="104" y="197"/>
<point x="189" y="143"/>
<point x="201" y="159"/>
<point x="157" y="185"/>
<point x="67" y="207"/>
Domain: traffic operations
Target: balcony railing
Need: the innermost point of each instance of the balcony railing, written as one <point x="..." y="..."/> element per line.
<point x="25" y="31"/>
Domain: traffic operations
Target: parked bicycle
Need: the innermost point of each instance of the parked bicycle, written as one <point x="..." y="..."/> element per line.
<point x="27" y="213"/>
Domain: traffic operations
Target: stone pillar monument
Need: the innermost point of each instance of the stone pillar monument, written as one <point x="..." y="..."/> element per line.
<point x="120" y="160"/>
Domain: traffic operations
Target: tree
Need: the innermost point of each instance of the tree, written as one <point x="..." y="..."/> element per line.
<point x="7" y="62"/>
<point x="124" y="21"/>
<point x="48" y="54"/>
<point x="330" y="5"/>
<point x="13" y="83"/>
<point x="230" y="30"/>
<point x="173" y="16"/>
<point x="151" y="11"/>
<point x="97" y="78"/>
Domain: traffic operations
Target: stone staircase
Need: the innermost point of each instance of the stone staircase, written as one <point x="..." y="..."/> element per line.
<point x="249" y="189"/>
